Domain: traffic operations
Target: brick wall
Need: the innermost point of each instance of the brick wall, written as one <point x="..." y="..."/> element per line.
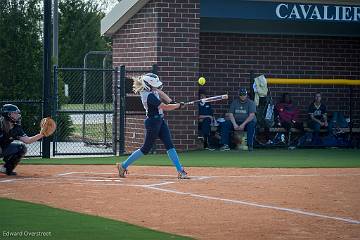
<point x="167" y="34"/>
<point x="227" y="60"/>
<point x="134" y="46"/>
<point x="178" y="60"/>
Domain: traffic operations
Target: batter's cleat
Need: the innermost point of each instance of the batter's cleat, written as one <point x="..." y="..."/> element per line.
<point x="183" y="175"/>
<point x="122" y="171"/>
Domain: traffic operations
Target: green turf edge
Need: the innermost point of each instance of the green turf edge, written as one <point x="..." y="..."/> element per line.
<point x="274" y="158"/>
<point x="22" y="218"/>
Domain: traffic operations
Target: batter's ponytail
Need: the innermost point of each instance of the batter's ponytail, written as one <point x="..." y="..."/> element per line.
<point x="138" y="84"/>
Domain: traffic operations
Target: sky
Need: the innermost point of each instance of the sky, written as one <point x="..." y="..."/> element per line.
<point x="110" y="4"/>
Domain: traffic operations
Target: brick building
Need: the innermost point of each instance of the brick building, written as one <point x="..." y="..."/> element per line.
<point x="226" y="41"/>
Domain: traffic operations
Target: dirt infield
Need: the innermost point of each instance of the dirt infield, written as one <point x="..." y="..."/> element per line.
<point x="215" y="204"/>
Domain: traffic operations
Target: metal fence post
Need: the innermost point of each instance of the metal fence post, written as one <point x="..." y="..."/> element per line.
<point x="104" y="98"/>
<point x="122" y="111"/>
<point x="351" y="113"/>
<point x="55" y="101"/>
<point x="84" y="102"/>
<point x="46" y="72"/>
<point x="115" y="109"/>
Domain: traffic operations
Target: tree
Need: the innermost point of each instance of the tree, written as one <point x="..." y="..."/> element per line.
<point x="20" y="49"/>
<point x="79" y="31"/>
<point x="21" y="57"/>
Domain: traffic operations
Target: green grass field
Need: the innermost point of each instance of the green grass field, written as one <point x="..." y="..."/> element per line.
<point x="260" y="158"/>
<point x="23" y="218"/>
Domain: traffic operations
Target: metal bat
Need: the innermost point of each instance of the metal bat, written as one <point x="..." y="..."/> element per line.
<point x="209" y="99"/>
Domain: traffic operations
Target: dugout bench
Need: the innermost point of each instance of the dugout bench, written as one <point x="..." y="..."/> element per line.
<point x="290" y="141"/>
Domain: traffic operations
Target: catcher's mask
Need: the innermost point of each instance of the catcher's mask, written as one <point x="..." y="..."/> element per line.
<point x="151" y="80"/>
<point x="7" y="110"/>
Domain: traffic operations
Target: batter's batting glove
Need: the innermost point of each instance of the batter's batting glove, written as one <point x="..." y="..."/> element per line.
<point x="182" y="104"/>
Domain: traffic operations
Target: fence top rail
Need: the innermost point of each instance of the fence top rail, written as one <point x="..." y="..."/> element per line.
<point x="86" y="69"/>
<point x="21" y="101"/>
<point x="86" y="111"/>
<point x="304" y="81"/>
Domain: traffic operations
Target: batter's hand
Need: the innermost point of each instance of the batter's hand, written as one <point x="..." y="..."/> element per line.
<point x="181" y="105"/>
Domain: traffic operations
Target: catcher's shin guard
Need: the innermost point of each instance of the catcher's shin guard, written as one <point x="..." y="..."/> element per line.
<point x="13" y="158"/>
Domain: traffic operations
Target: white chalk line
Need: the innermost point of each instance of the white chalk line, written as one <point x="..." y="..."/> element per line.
<point x="255" y="205"/>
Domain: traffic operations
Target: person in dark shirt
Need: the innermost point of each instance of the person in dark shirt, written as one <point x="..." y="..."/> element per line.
<point x="206" y="119"/>
<point x="317" y="117"/>
<point x="10" y="130"/>
<point x="155" y="102"/>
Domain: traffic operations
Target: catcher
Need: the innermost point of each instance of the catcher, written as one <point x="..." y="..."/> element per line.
<point x="10" y="130"/>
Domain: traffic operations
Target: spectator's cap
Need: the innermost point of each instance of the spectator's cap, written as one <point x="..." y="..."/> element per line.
<point x="242" y="92"/>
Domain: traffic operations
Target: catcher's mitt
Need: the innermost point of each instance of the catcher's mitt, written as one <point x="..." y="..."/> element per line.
<point x="48" y="126"/>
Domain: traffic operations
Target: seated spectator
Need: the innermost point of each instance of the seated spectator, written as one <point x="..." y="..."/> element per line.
<point x="317" y="117"/>
<point x="241" y="117"/>
<point x="288" y="114"/>
<point x="206" y="119"/>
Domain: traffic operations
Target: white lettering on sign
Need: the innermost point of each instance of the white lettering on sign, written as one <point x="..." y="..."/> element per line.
<point x="346" y="14"/>
<point x="304" y="11"/>
<point x="317" y="12"/>
<point x="295" y="13"/>
<point x="337" y="12"/>
<point x="278" y="10"/>
<point x="356" y="13"/>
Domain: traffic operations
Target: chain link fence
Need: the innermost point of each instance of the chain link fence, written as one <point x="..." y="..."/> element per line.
<point x="84" y="111"/>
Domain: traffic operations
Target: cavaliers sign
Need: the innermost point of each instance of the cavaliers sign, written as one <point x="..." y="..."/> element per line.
<point x="283" y="11"/>
<point x="291" y="11"/>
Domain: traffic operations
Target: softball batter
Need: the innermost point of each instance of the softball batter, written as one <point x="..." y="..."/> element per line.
<point x="149" y="86"/>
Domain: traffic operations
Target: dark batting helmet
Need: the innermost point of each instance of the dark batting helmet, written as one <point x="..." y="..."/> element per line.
<point x="6" y="111"/>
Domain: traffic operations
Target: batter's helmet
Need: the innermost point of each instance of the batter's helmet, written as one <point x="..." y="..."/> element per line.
<point x="151" y="80"/>
<point x="7" y="109"/>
